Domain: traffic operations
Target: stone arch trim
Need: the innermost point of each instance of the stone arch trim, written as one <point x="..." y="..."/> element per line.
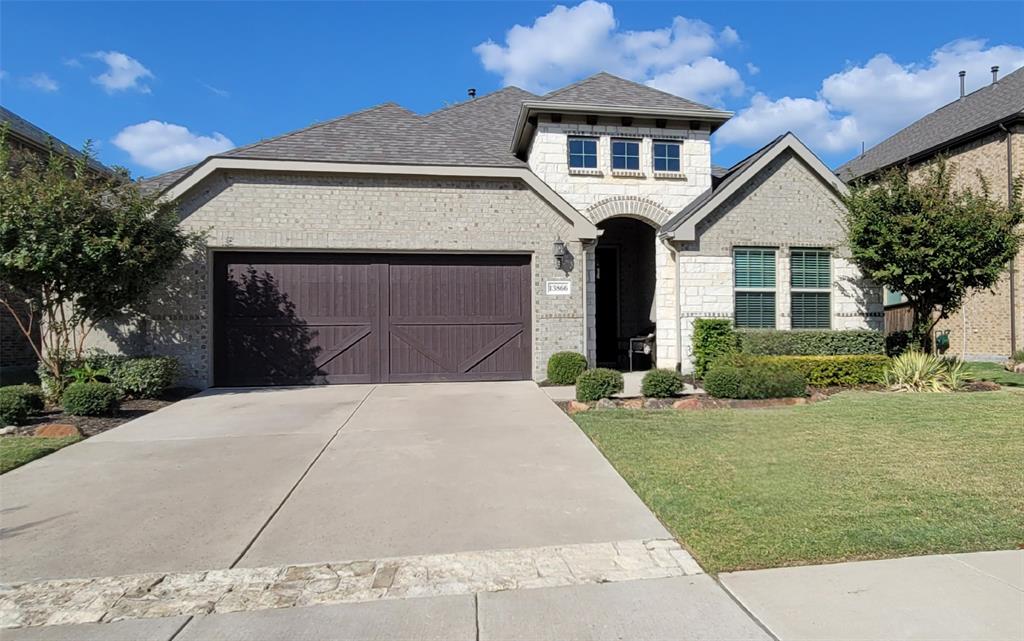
<point x="632" y="206"/>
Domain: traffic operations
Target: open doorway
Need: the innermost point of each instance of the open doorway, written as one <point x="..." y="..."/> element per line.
<point x="624" y="292"/>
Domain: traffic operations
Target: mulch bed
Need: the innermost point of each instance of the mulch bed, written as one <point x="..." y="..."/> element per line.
<point x="92" y="425"/>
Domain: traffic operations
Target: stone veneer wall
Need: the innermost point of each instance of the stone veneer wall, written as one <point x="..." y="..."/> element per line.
<point x="787" y="206"/>
<point x="255" y="210"/>
<point x="984" y="320"/>
<point x="654" y="198"/>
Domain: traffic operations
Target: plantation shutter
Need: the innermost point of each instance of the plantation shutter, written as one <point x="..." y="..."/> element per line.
<point x="754" y="279"/>
<point x="755" y="309"/>
<point x="810" y="269"/>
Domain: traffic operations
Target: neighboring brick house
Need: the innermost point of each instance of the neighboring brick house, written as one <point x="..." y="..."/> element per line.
<point x="25" y="138"/>
<point x="980" y="132"/>
<point x="474" y="242"/>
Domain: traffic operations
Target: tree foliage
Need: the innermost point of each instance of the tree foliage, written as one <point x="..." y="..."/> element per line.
<point x="930" y="241"/>
<point x="77" y="247"/>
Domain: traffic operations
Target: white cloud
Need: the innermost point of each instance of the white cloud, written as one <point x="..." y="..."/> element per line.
<point x="753" y="69"/>
<point x="74" y="63"/>
<point x="162" y="145"/>
<point x="216" y="91"/>
<point x="571" y="42"/>
<point x="42" y="82"/>
<point x="123" y="72"/>
<point x="870" y="102"/>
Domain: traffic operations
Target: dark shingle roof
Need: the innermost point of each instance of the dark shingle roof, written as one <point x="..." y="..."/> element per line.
<point x="604" y="89"/>
<point x="43" y="140"/>
<point x="974" y="112"/>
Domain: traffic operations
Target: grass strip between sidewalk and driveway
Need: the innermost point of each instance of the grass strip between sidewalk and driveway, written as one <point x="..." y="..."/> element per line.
<point x="15" y="451"/>
<point x="862" y="475"/>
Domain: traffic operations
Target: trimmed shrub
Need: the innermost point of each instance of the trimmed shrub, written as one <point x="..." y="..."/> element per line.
<point x="775" y="342"/>
<point x="565" y="367"/>
<point x="145" y="377"/>
<point x="897" y="343"/>
<point x="598" y="383"/>
<point x="724" y="381"/>
<point x="90" y="399"/>
<point x="14" y="407"/>
<point x="33" y="395"/>
<point x="744" y="376"/>
<point x="661" y="383"/>
<point x="712" y="338"/>
<point x="828" y="371"/>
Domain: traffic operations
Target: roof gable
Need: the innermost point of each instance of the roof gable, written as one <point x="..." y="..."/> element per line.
<point x="683" y="225"/>
<point x="975" y="112"/>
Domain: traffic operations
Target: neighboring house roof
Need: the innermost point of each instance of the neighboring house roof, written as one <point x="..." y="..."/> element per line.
<point x="683" y="225"/>
<point x="966" y="118"/>
<point x="31" y="135"/>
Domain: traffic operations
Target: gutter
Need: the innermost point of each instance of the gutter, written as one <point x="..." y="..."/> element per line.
<point x="1013" y="271"/>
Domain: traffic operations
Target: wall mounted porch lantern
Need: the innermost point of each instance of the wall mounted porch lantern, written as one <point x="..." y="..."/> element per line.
<point x="560" y="254"/>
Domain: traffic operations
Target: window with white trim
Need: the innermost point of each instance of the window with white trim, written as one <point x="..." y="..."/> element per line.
<point x="626" y="155"/>
<point x="754" y="287"/>
<point x="667" y="157"/>
<point x="582" y="153"/>
<point x="810" y="282"/>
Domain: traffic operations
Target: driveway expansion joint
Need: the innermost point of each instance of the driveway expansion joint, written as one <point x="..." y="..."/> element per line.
<point x="154" y="595"/>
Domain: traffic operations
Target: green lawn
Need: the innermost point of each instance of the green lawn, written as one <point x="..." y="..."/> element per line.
<point x="862" y="475"/>
<point x="15" y="451"/>
<point x="995" y="372"/>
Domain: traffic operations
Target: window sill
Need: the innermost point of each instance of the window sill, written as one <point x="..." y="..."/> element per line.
<point x="627" y="173"/>
<point x="581" y="171"/>
<point x="670" y="175"/>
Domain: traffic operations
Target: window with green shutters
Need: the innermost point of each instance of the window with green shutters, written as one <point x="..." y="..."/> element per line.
<point x="810" y="288"/>
<point x="754" y="283"/>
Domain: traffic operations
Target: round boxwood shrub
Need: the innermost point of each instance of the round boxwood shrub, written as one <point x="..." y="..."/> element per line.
<point x="145" y="377"/>
<point x="595" y="384"/>
<point x="14" y="407"/>
<point x="723" y="381"/>
<point x="90" y="399"/>
<point x="33" y="395"/>
<point x="565" y="367"/>
<point x="661" y="383"/>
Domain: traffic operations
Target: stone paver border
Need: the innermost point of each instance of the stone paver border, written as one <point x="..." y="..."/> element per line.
<point x="142" y="596"/>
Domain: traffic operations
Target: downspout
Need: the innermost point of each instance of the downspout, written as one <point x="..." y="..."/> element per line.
<point x="1013" y="271"/>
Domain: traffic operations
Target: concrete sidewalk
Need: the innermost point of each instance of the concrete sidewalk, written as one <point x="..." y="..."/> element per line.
<point x="941" y="597"/>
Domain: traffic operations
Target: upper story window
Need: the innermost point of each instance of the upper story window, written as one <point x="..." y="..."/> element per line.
<point x="626" y="155"/>
<point x="754" y="282"/>
<point x="811" y="283"/>
<point x="582" y="153"/>
<point x="666" y="157"/>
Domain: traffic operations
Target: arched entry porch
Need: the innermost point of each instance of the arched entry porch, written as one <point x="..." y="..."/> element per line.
<point x="625" y="282"/>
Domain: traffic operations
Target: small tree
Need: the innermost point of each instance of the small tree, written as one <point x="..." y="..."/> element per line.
<point x="931" y="242"/>
<point x="77" y="247"/>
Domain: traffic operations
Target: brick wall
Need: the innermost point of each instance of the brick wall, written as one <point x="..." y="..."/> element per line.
<point x="381" y="213"/>
<point x="981" y="329"/>
<point x="786" y="206"/>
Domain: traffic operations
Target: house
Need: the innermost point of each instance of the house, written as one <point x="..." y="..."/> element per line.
<point x="473" y="242"/>
<point x="23" y="137"/>
<point x="980" y="132"/>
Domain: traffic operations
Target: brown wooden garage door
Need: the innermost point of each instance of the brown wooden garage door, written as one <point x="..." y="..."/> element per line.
<point x="300" y="318"/>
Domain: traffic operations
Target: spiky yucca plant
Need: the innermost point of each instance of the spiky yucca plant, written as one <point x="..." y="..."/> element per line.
<point x="916" y="371"/>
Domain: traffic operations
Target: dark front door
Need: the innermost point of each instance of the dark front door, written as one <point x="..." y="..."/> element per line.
<point x="302" y="318"/>
<point x="607" y="306"/>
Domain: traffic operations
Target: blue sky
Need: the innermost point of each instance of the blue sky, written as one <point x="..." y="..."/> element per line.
<point x="157" y="85"/>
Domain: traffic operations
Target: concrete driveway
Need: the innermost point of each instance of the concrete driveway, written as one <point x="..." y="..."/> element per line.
<point x="236" y="479"/>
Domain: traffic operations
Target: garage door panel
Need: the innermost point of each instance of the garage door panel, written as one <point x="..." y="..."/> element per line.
<point x="345" y="318"/>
